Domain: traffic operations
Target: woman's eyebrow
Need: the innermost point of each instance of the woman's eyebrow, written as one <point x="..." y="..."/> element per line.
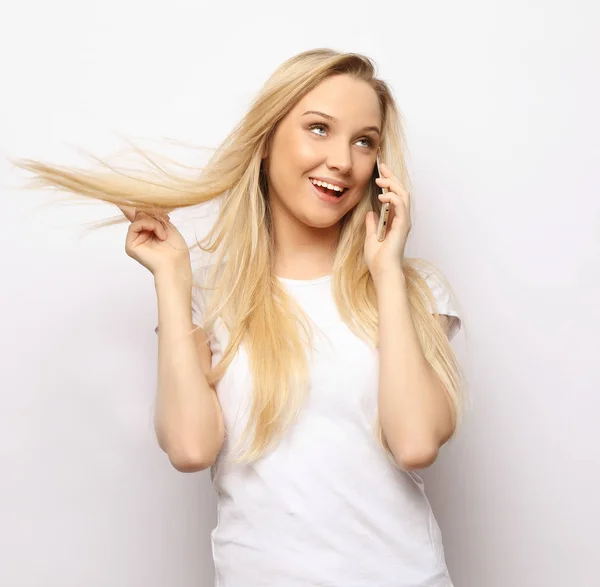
<point x="333" y="119"/>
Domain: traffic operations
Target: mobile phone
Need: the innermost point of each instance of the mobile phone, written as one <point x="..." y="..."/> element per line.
<point x="385" y="212"/>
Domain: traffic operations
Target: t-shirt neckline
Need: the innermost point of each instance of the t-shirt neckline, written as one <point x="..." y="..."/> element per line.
<point x="305" y="281"/>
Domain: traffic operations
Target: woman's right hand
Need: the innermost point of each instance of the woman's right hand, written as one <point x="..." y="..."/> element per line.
<point x="154" y="242"/>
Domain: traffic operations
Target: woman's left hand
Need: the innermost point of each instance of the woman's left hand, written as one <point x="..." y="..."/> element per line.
<point x="388" y="255"/>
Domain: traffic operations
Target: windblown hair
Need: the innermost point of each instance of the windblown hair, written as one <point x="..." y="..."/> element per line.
<point x="245" y="293"/>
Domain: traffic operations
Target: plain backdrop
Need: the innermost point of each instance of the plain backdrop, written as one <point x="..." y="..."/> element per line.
<point x="501" y="107"/>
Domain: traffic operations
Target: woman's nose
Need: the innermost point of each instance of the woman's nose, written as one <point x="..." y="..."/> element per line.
<point x="341" y="161"/>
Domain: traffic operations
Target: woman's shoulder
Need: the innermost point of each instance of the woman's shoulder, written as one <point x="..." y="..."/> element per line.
<point x="445" y="299"/>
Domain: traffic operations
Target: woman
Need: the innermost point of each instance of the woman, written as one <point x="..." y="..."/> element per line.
<point x="308" y="364"/>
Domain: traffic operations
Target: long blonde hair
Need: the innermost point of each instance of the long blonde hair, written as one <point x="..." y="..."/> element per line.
<point x="245" y="293"/>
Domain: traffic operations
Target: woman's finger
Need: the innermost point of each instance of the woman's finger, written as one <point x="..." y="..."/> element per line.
<point x="391" y="183"/>
<point x="128" y="212"/>
<point x="151" y="225"/>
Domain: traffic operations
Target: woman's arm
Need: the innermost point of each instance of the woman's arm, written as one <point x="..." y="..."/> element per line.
<point x="414" y="409"/>
<point x="188" y="419"/>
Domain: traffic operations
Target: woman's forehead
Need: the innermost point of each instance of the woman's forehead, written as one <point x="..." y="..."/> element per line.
<point x="344" y="99"/>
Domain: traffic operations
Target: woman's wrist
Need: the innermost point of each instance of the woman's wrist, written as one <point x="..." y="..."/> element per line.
<point x="173" y="276"/>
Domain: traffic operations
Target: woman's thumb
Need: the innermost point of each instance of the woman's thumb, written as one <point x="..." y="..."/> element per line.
<point x="370" y="223"/>
<point x="128" y="212"/>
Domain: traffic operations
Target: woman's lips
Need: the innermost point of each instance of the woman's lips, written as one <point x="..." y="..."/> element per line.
<point x="325" y="197"/>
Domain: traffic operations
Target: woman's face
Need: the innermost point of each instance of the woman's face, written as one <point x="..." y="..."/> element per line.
<point x="339" y="145"/>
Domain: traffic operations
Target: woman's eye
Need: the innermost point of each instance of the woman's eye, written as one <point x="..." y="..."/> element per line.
<point x="318" y="126"/>
<point x="368" y="141"/>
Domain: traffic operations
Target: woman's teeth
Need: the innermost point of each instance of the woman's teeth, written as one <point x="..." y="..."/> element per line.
<point x="329" y="186"/>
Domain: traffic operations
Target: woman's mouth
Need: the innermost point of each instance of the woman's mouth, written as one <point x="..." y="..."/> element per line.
<point x="326" y="191"/>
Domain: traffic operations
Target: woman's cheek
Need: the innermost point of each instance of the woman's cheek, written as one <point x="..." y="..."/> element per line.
<point x="307" y="154"/>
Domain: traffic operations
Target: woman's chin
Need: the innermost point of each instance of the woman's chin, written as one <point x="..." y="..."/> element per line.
<point x="320" y="220"/>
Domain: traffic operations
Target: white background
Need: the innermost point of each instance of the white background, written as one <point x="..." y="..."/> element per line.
<point x="501" y="101"/>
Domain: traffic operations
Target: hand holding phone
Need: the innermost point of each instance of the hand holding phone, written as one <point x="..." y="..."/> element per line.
<point x="385" y="212"/>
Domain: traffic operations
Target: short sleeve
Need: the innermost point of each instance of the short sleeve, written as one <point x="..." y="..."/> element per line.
<point x="444" y="302"/>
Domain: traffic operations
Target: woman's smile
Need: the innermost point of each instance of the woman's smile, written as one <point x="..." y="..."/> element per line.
<point x="331" y="195"/>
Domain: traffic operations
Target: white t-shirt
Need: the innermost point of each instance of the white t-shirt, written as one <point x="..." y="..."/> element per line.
<point x="326" y="507"/>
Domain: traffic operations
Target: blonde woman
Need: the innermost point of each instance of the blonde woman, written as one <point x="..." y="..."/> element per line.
<point x="308" y="364"/>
